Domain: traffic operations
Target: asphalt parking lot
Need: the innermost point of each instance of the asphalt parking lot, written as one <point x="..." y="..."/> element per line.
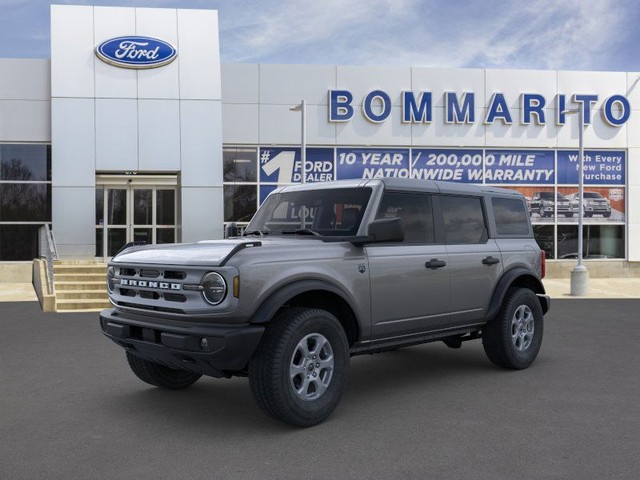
<point x="70" y="408"/>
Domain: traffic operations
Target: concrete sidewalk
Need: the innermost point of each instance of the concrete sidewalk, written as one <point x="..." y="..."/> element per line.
<point x="598" y="288"/>
<point x="17" y="292"/>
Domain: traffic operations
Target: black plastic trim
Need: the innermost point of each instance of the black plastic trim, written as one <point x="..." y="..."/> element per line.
<point x="228" y="347"/>
<point x="505" y="282"/>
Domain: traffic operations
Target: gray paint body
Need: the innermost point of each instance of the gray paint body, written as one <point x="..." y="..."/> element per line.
<point x="395" y="296"/>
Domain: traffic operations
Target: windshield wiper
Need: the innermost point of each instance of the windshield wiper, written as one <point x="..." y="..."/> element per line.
<point x="260" y="233"/>
<point x="302" y="231"/>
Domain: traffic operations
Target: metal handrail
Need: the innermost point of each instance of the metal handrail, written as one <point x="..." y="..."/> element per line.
<point x="49" y="251"/>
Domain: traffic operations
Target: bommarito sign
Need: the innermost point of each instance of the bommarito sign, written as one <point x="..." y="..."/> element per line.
<point x="459" y="108"/>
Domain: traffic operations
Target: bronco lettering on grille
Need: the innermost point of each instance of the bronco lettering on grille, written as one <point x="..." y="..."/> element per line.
<point x="125" y="282"/>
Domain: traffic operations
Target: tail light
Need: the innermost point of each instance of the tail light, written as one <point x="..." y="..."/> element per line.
<point x="543" y="263"/>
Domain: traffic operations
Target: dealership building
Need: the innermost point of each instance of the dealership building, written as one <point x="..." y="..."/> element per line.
<point x="134" y="131"/>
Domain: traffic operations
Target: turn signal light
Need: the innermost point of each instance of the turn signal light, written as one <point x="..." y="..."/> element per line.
<point x="543" y="264"/>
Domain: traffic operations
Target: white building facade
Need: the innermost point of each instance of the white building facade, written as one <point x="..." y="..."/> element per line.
<point x="108" y="155"/>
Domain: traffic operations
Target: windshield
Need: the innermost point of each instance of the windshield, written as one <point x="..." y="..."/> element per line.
<point x="323" y="212"/>
<point x="592" y="195"/>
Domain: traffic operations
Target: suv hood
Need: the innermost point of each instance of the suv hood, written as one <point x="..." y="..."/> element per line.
<point x="210" y="252"/>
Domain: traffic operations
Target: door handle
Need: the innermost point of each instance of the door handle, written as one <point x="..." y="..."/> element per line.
<point x="490" y="260"/>
<point x="435" y="263"/>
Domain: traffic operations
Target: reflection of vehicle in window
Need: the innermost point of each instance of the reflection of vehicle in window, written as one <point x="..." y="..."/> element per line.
<point x="594" y="204"/>
<point x="543" y="204"/>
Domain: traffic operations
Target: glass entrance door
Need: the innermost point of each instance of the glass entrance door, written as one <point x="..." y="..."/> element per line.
<point x="128" y="213"/>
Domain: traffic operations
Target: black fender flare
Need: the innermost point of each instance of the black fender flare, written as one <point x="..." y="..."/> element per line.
<point x="279" y="297"/>
<point x="507" y="279"/>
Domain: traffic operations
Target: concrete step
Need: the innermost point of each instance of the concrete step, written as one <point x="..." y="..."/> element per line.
<point x="75" y="304"/>
<point x="79" y="269"/>
<point x="80" y="277"/>
<point x="93" y="285"/>
<point x="82" y="294"/>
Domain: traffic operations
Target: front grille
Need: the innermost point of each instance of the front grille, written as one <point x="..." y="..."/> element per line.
<point x="156" y="289"/>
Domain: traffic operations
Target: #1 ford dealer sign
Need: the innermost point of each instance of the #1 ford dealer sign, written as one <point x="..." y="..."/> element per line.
<point x="136" y="52"/>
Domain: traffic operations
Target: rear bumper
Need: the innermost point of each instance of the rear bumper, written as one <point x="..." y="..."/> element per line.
<point x="213" y="350"/>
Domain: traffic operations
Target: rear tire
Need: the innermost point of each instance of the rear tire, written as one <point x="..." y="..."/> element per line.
<point x="513" y="338"/>
<point x="159" y="375"/>
<point x="300" y="369"/>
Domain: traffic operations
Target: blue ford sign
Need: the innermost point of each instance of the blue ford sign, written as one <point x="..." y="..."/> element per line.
<point x="136" y="52"/>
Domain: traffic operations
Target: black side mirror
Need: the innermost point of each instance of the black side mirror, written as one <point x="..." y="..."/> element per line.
<point x="231" y="230"/>
<point x="386" y="230"/>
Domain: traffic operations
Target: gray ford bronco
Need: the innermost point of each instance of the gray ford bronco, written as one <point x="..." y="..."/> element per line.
<point x="327" y="271"/>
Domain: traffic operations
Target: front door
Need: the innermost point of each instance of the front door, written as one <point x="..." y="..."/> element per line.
<point x="135" y="211"/>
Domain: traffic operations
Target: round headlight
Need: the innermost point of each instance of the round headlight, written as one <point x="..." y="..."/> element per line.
<point x="214" y="288"/>
<point x="111" y="273"/>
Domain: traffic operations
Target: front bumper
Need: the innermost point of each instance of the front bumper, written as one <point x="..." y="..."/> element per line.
<point x="214" y="350"/>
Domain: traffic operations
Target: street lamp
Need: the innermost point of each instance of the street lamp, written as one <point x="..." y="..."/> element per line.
<point x="302" y="107"/>
<point x="580" y="274"/>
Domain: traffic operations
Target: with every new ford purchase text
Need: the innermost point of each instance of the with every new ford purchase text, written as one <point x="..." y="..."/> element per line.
<point x="327" y="271"/>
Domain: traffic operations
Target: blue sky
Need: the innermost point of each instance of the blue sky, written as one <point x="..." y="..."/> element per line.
<point x="532" y="34"/>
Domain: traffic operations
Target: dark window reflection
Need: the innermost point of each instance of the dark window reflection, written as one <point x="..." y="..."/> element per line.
<point x="117" y="206"/>
<point x="165" y="235"/>
<point x="142" y="207"/>
<point x="18" y="242"/>
<point x="25" y="162"/>
<point x="165" y="207"/>
<point x="239" y="164"/>
<point x="143" y="235"/>
<point x="239" y="202"/>
<point x="116" y="239"/>
<point x="100" y="206"/>
<point x="99" y="242"/>
<point x="511" y="216"/>
<point x="25" y="202"/>
<point x="545" y="239"/>
<point x="599" y="241"/>
<point x="463" y="219"/>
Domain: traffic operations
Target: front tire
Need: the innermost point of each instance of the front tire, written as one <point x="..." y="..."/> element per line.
<point x="159" y="375"/>
<point x="513" y="338"/>
<point x="301" y="367"/>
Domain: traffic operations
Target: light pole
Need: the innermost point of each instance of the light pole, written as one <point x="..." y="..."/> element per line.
<point x="580" y="274"/>
<point x="302" y="107"/>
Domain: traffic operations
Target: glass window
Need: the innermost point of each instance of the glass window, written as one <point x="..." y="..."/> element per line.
<point x="99" y="242"/>
<point x="117" y="206"/>
<point x="239" y="164"/>
<point x="336" y="212"/>
<point x="512" y="217"/>
<point x="100" y="207"/>
<point x="463" y="219"/>
<point x="116" y="239"/>
<point x="165" y="207"/>
<point x="415" y="212"/>
<point x="142" y="206"/>
<point x="25" y="202"/>
<point x="28" y="163"/>
<point x="18" y="242"/>
<point x="599" y="241"/>
<point x="545" y="239"/>
<point x="239" y="202"/>
<point x="165" y="235"/>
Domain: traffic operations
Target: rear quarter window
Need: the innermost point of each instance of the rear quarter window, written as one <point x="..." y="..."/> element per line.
<point x="511" y="216"/>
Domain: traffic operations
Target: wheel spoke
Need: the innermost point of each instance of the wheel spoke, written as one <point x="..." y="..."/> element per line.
<point x="311" y="366"/>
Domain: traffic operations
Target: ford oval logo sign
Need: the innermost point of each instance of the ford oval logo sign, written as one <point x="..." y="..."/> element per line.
<point x="136" y="52"/>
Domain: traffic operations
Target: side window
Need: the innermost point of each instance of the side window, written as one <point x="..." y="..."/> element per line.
<point x="511" y="216"/>
<point x="415" y="211"/>
<point x="463" y="219"/>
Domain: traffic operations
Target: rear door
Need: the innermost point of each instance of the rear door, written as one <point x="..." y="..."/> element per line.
<point x="475" y="261"/>
<point x="409" y="280"/>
